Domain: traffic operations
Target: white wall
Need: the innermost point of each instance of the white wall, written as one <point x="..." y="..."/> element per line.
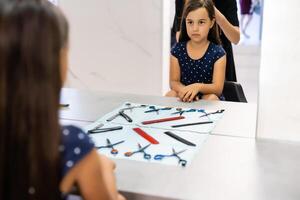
<point x="279" y="87"/>
<point x="167" y="15"/>
<point x="116" y="45"/>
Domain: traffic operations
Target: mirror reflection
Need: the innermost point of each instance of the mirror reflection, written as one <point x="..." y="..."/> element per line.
<point x="239" y="27"/>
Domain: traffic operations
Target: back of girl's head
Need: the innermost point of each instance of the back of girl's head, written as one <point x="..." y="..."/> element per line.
<point x="192" y="5"/>
<point x="32" y="35"/>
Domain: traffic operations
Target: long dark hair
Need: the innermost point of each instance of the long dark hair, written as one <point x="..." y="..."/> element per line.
<point x="32" y="35"/>
<point x="192" y="5"/>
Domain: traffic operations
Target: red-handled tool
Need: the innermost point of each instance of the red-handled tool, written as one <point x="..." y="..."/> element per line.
<point x="162" y="120"/>
<point x="145" y="136"/>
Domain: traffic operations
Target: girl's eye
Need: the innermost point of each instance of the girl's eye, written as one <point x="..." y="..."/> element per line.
<point x="201" y="22"/>
<point x="189" y="22"/>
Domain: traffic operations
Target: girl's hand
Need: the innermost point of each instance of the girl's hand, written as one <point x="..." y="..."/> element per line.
<point x="189" y="93"/>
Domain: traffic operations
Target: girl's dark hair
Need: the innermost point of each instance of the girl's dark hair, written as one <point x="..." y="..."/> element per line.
<point x="32" y="35"/>
<point x="192" y="5"/>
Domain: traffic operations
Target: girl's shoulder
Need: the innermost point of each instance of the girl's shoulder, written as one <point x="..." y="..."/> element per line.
<point x="75" y="145"/>
<point x="73" y="134"/>
<point x="215" y="46"/>
<point x="178" y="49"/>
<point x="217" y="49"/>
<point x="215" y="52"/>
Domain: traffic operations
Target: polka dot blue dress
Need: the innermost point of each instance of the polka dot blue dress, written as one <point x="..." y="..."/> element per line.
<point x="200" y="70"/>
<point x="75" y="145"/>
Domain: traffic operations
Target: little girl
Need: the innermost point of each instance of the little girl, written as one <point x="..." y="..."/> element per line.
<point x="198" y="61"/>
<point x="39" y="159"/>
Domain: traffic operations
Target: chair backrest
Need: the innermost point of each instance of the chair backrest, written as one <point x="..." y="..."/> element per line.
<point x="233" y="91"/>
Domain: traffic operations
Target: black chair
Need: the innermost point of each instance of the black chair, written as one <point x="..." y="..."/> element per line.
<point x="233" y="91"/>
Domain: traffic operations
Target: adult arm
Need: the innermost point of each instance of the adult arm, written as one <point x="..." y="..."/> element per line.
<point x="229" y="22"/>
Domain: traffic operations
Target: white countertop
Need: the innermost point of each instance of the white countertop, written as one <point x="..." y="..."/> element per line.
<point x="231" y="164"/>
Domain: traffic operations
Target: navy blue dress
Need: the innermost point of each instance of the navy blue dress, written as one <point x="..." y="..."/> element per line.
<point x="75" y="145"/>
<point x="200" y="70"/>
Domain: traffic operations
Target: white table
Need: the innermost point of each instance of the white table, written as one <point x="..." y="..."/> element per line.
<point x="239" y="119"/>
<point x="230" y="165"/>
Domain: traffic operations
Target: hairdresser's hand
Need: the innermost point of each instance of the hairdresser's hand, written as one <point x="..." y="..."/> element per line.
<point x="189" y="93"/>
<point x="219" y="16"/>
<point x="230" y="31"/>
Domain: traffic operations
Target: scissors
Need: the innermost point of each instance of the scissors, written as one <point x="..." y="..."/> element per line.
<point x="140" y="150"/>
<point x="98" y="126"/>
<point x="212" y="113"/>
<point x="123" y="114"/>
<point x="153" y="109"/>
<point x="180" y="111"/>
<point x="129" y="107"/>
<point x="111" y="146"/>
<point x="102" y="130"/>
<point x="181" y="161"/>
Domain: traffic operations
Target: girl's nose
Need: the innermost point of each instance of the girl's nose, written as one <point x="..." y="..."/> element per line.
<point x="195" y="27"/>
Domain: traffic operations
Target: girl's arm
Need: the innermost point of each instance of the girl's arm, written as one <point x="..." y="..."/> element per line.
<point x="94" y="177"/>
<point x="175" y="83"/>
<point x="231" y="32"/>
<point x="177" y="36"/>
<point x="216" y="87"/>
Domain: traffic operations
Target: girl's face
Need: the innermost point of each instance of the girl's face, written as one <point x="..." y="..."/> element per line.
<point x="198" y="25"/>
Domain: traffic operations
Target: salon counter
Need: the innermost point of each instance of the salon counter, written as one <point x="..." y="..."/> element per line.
<point x="231" y="164"/>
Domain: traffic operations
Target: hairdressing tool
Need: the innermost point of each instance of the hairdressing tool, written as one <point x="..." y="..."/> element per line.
<point x="191" y="124"/>
<point x="113" y="117"/>
<point x="140" y="150"/>
<point x="64" y="105"/>
<point x="96" y="127"/>
<point x="181" y="161"/>
<point x="162" y="120"/>
<point x="102" y="130"/>
<point x="212" y="113"/>
<point x="180" y="112"/>
<point x="180" y="139"/>
<point x="111" y="146"/>
<point x="145" y="136"/>
<point x="153" y="109"/>
<point x="129" y="107"/>
<point x="123" y="114"/>
<point x="99" y="126"/>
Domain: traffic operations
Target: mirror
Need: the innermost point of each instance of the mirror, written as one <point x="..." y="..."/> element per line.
<point x="247" y="52"/>
<point x="117" y="44"/>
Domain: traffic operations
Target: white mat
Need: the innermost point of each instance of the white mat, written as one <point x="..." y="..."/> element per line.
<point x="196" y="134"/>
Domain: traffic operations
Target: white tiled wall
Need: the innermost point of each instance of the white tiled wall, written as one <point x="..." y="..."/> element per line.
<point x="115" y="45"/>
<point x="279" y="86"/>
